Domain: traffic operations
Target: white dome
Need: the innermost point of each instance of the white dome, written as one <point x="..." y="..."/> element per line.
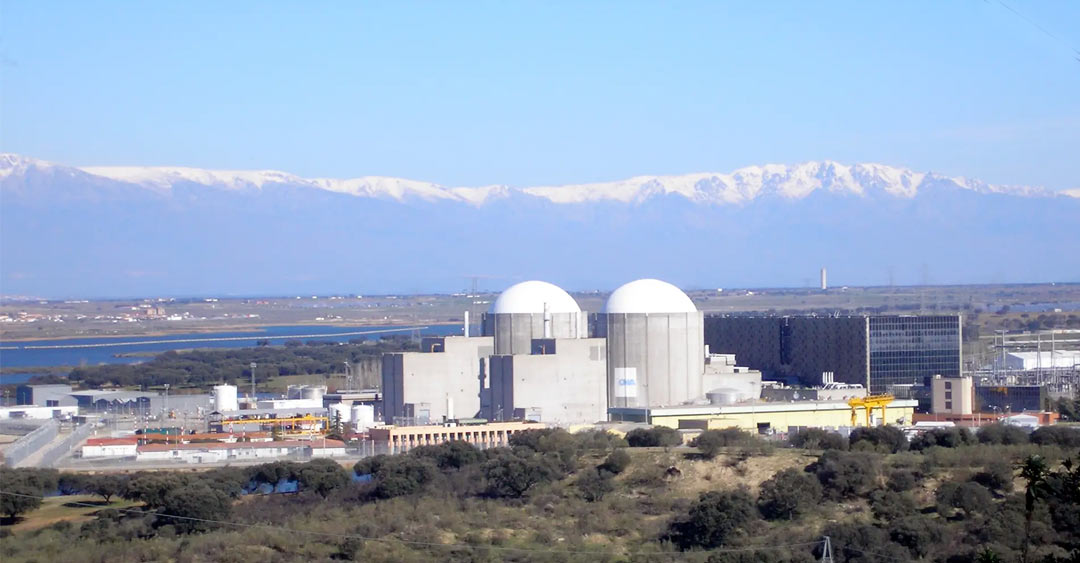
<point x="649" y="296"/>
<point x="531" y="296"/>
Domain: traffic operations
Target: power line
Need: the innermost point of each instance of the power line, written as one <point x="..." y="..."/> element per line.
<point x="412" y="542"/>
<point x="1036" y="25"/>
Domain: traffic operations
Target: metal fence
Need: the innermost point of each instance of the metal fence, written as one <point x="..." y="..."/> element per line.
<point x="30" y="443"/>
<point x="58" y="451"/>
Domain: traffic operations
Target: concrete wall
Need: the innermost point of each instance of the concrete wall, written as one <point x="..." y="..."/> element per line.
<point x="653" y="359"/>
<point x="566" y="387"/>
<point x="514" y="333"/>
<point x="430" y="377"/>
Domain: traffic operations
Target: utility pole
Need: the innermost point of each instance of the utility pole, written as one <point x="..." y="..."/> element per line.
<point x="166" y="400"/>
<point x="826" y="551"/>
<point x="253" y="381"/>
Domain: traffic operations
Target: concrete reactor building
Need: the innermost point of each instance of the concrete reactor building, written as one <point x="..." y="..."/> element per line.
<point x="531" y="310"/>
<point x="655" y="345"/>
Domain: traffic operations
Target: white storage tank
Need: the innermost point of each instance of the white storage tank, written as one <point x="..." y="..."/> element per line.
<point x="363" y="417"/>
<point x="528" y="310"/>
<point x="655" y="345"/>
<point x="225" y="398"/>
<point x="342" y="410"/>
<point x="312" y="392"/>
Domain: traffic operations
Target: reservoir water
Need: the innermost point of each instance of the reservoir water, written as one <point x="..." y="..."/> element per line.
<point x="92" y="351"/>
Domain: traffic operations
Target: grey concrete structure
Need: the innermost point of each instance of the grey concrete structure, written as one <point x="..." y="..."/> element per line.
<point x="531" y="310"/>
<point x="722" y="373"/>
<point x="446" y="375"/>
<point x="655" y="348"/>
<point x="885" y="353"/>
<point x="562" y="382"/>
<point x="53" y="395"/>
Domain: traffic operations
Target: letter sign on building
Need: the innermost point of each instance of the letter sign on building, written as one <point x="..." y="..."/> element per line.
<point x="626" y="383"/>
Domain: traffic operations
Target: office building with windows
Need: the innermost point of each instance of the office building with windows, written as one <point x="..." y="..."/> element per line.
<point x="886" y="353"/>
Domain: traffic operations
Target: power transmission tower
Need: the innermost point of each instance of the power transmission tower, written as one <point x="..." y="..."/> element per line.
<point x="826" y="551"/>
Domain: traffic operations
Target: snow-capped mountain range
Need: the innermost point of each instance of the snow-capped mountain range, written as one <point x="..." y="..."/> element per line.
<point x="135" y="231"/>
<point x="791" y="182"/>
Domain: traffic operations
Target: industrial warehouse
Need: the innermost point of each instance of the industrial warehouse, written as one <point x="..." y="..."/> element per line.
<point x="647" y="357"/>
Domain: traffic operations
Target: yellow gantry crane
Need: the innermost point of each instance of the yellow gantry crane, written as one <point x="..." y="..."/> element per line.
<point x="869" y="403"/>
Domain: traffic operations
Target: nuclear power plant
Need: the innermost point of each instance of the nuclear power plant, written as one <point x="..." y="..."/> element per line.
<point x="541" y="358"/>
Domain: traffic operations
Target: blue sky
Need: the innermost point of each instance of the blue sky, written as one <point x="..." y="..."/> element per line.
<point x="535" y="93"/>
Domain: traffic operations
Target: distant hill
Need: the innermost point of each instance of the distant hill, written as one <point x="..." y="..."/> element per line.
<point x="111" y="231"/>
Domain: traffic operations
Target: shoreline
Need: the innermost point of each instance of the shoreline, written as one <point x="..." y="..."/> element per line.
<point x="243" y="328"/>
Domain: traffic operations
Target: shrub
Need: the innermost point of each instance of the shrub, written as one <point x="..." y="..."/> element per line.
<point x="998" y="476"/>
<point x="845" y="474"/>
<point x="323" y="476"/>
<point x="788" y="494"/>
<point x="943" y="437"/>
<point x="511" y="475"/>
<point x="194" y="507"/>
<point x="710" y="442"/>
<point x="658" y="436"/>
<point x="901" y="480"/>
<point x="999" y="433"/>
<point x="970" y="498"/>
<point x="402" y="475"/>
<point x="594" y="484"/>
<point x="1064" y="436"/>
<point x="616" y="462"/>
<point x="891" y="505"/>
<point x="886" y="439"/>
<point x="713" y="520"/>
<point x="917" y="533"/>
<point x="817" y="439"/>
<point x="450" y="455"/>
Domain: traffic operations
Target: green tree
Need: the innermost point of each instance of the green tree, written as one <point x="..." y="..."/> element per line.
<point x="658" y="436"/>
<point x="402" y="475"/>
<point x="454" y="454"/>
<point x="817" y="439"/>
<point x="999" y="433"/>
<point x="195" y="507"/>
<point x="711" y="442"/>
<point x="970" y="498"/>
<point x="616" y="462"/>
<point x="886" y="439"/>
<point x="18" y="498"/>
<point x="1034" y="471"/>
<point x="845" y="474"/>
<point x="510" y="475"/>
<point x="152" y="488"/>
<point x="594" y="484"/>
<point x="788" y="494"/>
<point x="323" y="476"/>
<point x="713" y="520"/>
<point x="107" y="485"/>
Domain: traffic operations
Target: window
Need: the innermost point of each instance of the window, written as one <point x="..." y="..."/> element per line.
<point x="948" y="405"/>
<point x="948" y="384"/>
<point x="948" y="395"/>
<point x="52" y="403"/>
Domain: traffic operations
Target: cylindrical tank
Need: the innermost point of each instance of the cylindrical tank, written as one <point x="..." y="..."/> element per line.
<point x="363" y="417"/>
<point x="722" y="397"/>
<point x="312" y="392"/>
<point x="341" y="409"/>
<point x="225" y="398"/>
<point x="655" y="345"/>
<point x="528" y="310"/>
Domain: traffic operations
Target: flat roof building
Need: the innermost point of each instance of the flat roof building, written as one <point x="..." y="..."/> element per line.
<point x="885" y="353"/>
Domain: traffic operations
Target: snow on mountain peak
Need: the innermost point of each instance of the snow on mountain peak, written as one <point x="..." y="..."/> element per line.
<point x="785" y="182"/>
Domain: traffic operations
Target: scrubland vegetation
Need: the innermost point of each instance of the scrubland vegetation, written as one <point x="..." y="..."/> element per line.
<point x="949" y="496"/>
